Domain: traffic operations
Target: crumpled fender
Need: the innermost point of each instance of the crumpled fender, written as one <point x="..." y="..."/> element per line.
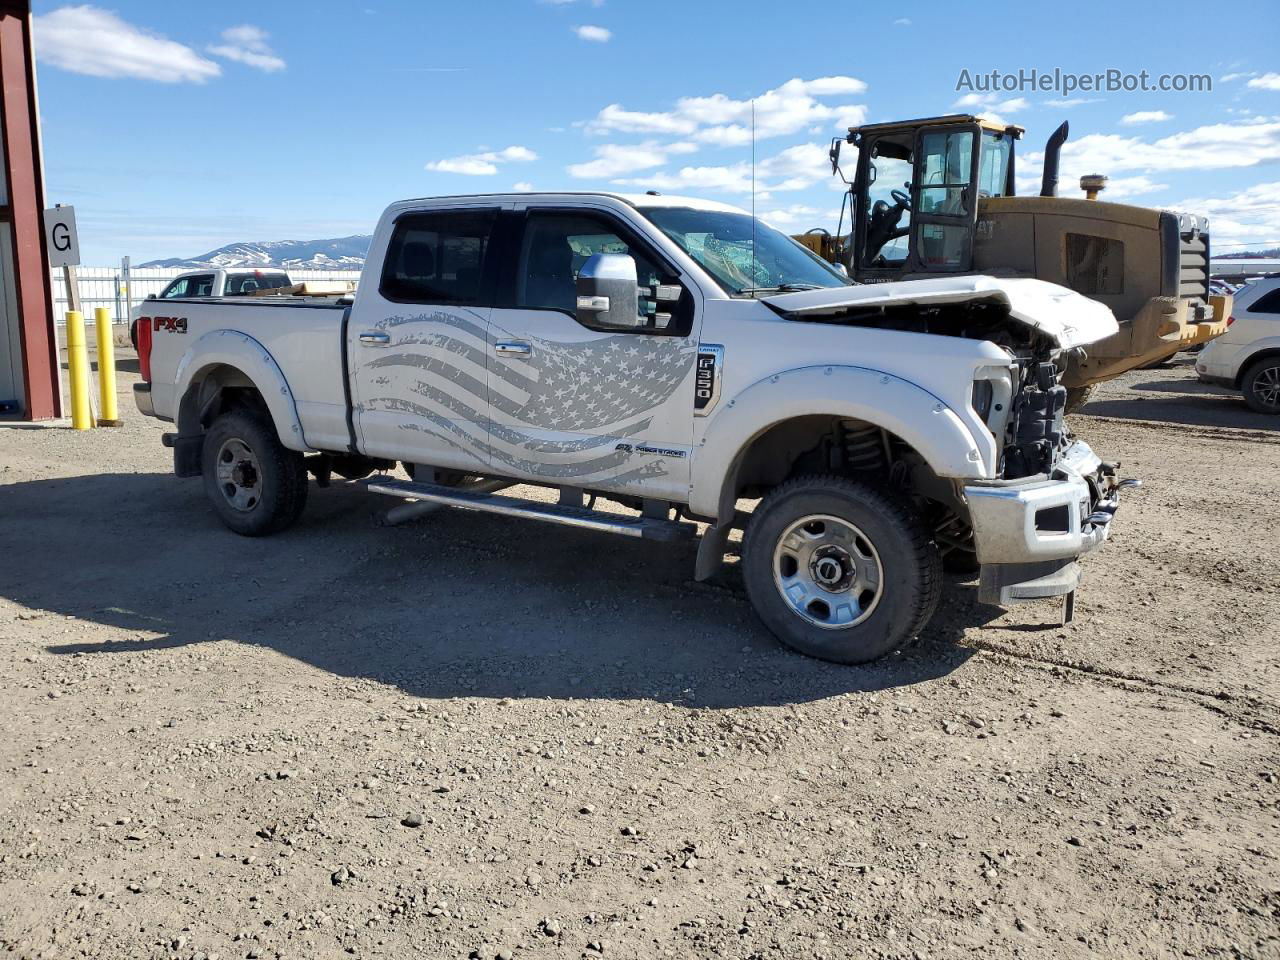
<point x="242" y="352"/>
<point x="933" y="429"/>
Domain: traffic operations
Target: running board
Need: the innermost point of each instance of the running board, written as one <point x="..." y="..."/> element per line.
<point x="645" y="528"/>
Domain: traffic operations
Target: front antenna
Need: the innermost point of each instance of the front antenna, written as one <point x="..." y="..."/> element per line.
<point x="753" y="192"/>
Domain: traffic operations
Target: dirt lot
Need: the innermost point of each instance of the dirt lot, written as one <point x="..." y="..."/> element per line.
<point x="470" y="737"/>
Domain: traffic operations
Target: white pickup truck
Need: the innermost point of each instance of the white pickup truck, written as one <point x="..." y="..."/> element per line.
<point x="676" y="357"/>
<point x="213" y="282"/>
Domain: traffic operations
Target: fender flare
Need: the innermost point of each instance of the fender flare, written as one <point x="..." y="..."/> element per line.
<point x="932" y="428"/>
<point x="237" y="350"/>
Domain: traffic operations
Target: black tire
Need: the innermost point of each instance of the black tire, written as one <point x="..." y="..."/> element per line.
<point x="1260" y="383"/>
<point x="1077" y="397"/>
<point x="271" y="490"/>
<point x="911" y="569"/>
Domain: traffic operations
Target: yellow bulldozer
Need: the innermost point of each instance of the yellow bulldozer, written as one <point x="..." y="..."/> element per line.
<point x="936" y="196"/>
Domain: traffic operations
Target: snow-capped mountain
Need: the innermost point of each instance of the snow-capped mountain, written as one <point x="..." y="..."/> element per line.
<point x="340" y="253"/>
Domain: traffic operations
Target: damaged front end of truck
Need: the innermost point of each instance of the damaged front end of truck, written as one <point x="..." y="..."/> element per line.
<point x="1049" y="499"/>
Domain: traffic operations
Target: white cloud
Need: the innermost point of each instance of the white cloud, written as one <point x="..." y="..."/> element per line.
<point x="593" y="33"/>
<point x="902" y="22"/>
<point x="724" y="121"/>
<point x="85" y="39"/>
<point x="1118" y="188"/>
<point x="796" y="168"/>
<point x="1252" y="215"/>
<point x="1268" y="81"/>
<point x="1215" y="146"/>
<point x="991" y="106"/>
<point x="792" y="217"/>
<point x="522" y="186"/>
<point x="482" y="164"/>
<point x="615" y="159"/>
<point x="1236" y="76"/>
<point x="247" y="44"/>
<point x="1069" y="102"/>
<point x="1145" y="116"/>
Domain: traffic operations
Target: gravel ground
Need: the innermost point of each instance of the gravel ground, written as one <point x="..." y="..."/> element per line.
<point x="467" y="737"/>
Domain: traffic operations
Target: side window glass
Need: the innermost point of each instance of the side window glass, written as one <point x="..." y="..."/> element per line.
<point x="1267" y="303"/>
<point x="439" y="258"/>
<point x="176" y="289"/>
<point x="945" y="166"/>
<point x="555" y="247"/>
<point x="201" y="286"/>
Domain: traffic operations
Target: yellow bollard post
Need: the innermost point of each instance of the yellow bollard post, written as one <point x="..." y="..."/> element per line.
<point x="106" y="370"/>
<point x="78" y="361"/>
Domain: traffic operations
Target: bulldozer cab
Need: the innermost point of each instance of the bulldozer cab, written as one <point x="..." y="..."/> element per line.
<point x="916" y="189"/>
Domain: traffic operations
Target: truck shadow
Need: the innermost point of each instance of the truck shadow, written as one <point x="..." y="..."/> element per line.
<point x="454" y="605"/>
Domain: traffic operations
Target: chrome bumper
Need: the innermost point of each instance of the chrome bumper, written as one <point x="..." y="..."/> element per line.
<point x="1029" y="533"/>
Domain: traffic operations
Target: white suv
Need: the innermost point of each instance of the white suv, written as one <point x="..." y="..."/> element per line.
<point x="1247" y="356"/>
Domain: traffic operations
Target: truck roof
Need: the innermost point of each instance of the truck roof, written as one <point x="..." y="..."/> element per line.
<point x="638" y="200"/>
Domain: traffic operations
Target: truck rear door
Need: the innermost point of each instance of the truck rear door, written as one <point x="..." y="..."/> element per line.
<point x="416" y="341"/>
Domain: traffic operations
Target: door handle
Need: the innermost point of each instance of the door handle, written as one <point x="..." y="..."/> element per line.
<point x="512" y="348"/>
<point x="375" y="338"/>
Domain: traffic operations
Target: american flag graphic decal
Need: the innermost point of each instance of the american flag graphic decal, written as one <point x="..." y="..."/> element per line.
<point x="437" y="379"/>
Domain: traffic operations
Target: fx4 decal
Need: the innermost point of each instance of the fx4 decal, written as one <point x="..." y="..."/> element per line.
<point x="171" y="324"/>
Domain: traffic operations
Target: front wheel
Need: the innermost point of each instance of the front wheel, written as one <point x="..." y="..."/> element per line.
<point x="257" y="486"/>
<point x="840" y="570"/>
<point x="1261" y="385"/>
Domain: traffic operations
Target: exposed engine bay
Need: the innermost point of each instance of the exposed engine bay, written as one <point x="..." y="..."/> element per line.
<point x="1035" y="431"/>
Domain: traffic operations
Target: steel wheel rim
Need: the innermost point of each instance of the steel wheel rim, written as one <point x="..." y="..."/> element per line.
<point x="239" y="475"/>
<point x="1266" y="386"/>
<point x="828" y="572"/>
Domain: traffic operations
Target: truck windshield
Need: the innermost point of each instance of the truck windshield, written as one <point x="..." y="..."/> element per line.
<point x="744" y="255"/>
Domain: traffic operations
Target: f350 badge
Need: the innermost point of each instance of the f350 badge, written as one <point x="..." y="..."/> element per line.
<point x="707" y="375"/>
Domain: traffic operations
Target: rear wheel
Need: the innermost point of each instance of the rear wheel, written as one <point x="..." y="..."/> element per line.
<point x="256" y="485"/>
<point x="1261" y="385"/>
<point x="840" y="570"/>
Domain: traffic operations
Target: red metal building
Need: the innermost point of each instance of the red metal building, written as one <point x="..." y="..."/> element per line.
<point x="29" y="362"/>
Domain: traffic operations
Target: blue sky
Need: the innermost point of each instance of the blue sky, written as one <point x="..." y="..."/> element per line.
<point x="177" y="127"/>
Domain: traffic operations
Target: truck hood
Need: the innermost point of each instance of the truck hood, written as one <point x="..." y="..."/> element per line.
<point x="1070" y="319"/>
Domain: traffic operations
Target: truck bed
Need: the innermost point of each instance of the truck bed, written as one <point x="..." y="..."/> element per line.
<point x="304" y="336"/>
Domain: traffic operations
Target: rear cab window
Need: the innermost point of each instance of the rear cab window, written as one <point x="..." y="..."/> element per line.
<point x="440" y="257"/>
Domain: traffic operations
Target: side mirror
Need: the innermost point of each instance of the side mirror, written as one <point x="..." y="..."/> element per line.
<point x="841" y="269"/>
<point x="151" y="296"/>
<point x="834" y="153"/>
<point x="608" y="292"/>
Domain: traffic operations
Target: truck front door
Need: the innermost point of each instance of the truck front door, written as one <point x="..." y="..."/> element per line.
<point x="578" y="405"/>
<point x="416" y="342"/>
